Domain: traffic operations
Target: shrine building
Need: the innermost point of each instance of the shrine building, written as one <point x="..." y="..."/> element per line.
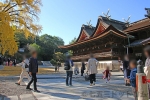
<point x="109" y="40"/>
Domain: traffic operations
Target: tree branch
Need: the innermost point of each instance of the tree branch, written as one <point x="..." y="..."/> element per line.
<point x="14" y="11"/>
<point x="10" y="7"/>
<point x="6" y="6"/>
<point x="13" y="6"/>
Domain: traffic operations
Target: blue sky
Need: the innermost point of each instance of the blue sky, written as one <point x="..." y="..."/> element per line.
<point x="64" y="18"/>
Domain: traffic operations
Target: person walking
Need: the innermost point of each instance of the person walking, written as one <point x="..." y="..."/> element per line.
<point x="59" y="64"/>
<point x="125" y="68"/>
<point x="92" y="69"/>
<point x="8" y="61"/>
<point x="82" y="68"/>
<point x="33" y="70"/>
<point x="14" y="62"/>
<point x="107" y="74"/>
<point x="55" y="68"/>
<point x="25" y="69"/>
<point x="147" y="65"/>
<point x="69" y="72"/>
<point x="1" y="61"/>
<point x="120" y="64"/>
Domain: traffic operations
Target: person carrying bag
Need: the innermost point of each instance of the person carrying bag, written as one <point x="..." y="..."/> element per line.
<point x="69" y="71"/>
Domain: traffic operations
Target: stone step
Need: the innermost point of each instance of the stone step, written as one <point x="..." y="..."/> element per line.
<point x="11" y="98"/>
<point x="27" y="97"/>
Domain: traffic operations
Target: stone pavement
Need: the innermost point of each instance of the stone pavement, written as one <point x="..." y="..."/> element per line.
<point x="53" y="87"/>
<point x="22" y="97"/>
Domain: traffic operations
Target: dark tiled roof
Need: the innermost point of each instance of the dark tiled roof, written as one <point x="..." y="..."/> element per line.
<point x="115" y="23"/>
<point x="88" y="29"/>
<point x="141" y="24"/>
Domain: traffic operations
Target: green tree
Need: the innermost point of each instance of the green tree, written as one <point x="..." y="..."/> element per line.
<point x="53" y="62"/>
<point x="73" y="40"/>
<point x="34" y="47"/>
<point x="22" y="40"/>
<point x="59" y="57"/>
<point x="49" y="45"/>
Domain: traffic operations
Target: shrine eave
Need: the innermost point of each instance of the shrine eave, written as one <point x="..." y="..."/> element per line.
<point x="110" y="29"/>
<point x="138" y="25"/>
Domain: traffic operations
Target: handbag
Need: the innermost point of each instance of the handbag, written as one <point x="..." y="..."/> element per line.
<point x="26" y="66"/>
<point x="87" y="77"/>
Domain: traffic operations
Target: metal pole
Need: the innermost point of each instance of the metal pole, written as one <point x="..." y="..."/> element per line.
<point x="128" y="40"/>
<point x="128" y="44"/>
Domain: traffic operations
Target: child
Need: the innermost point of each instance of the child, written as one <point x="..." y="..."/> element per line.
<point x="107" y="74"/>
<point x="132" y="78"/>
<point x="76" y="70"/>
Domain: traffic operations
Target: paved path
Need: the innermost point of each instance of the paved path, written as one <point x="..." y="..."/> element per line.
<point x="53" y="87"/>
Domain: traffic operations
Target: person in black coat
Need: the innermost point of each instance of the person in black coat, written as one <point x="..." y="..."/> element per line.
<point x="126" y="68"/>
<point x="33" y="70"/>
<point x="82" y="68"/>
<point x="1" y="61"/>
<point x="8" y="60"/>
<point x="14" y="62"/>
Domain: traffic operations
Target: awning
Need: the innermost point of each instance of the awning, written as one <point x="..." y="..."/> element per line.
<point x="139" y="42"/>
<point x="146" y="41"/>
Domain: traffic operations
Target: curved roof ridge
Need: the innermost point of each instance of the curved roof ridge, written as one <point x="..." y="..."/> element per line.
<point x="136" y="22"/>
<point x="121" y="22"/>
<point x="105" y="32"/>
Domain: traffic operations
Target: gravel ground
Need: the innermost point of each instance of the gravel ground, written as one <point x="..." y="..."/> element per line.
<point x="9" y="88"/>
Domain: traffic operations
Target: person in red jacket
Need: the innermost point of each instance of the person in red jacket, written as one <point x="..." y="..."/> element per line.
<point x="107" y="74"/>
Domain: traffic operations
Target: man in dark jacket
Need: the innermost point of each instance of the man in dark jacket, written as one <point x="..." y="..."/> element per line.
<point x="82" y="68"/>
<point x="8" y="60"/>
<point x="33" y="70"/>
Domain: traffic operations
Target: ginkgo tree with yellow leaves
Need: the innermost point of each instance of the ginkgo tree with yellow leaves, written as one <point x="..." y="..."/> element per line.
<point x="17" y="15"/>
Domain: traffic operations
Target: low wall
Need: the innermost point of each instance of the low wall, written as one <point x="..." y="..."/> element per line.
<point x="113" y="64"/>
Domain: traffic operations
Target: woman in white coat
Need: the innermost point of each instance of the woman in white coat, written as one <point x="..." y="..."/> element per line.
<point x="92" y="69"/>
<point x="24" y="64"/>
<point x="147" y="65"/>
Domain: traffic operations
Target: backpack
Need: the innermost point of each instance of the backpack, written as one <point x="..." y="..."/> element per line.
<point x="67" y="65"/>
<point x="26" y="66"/>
